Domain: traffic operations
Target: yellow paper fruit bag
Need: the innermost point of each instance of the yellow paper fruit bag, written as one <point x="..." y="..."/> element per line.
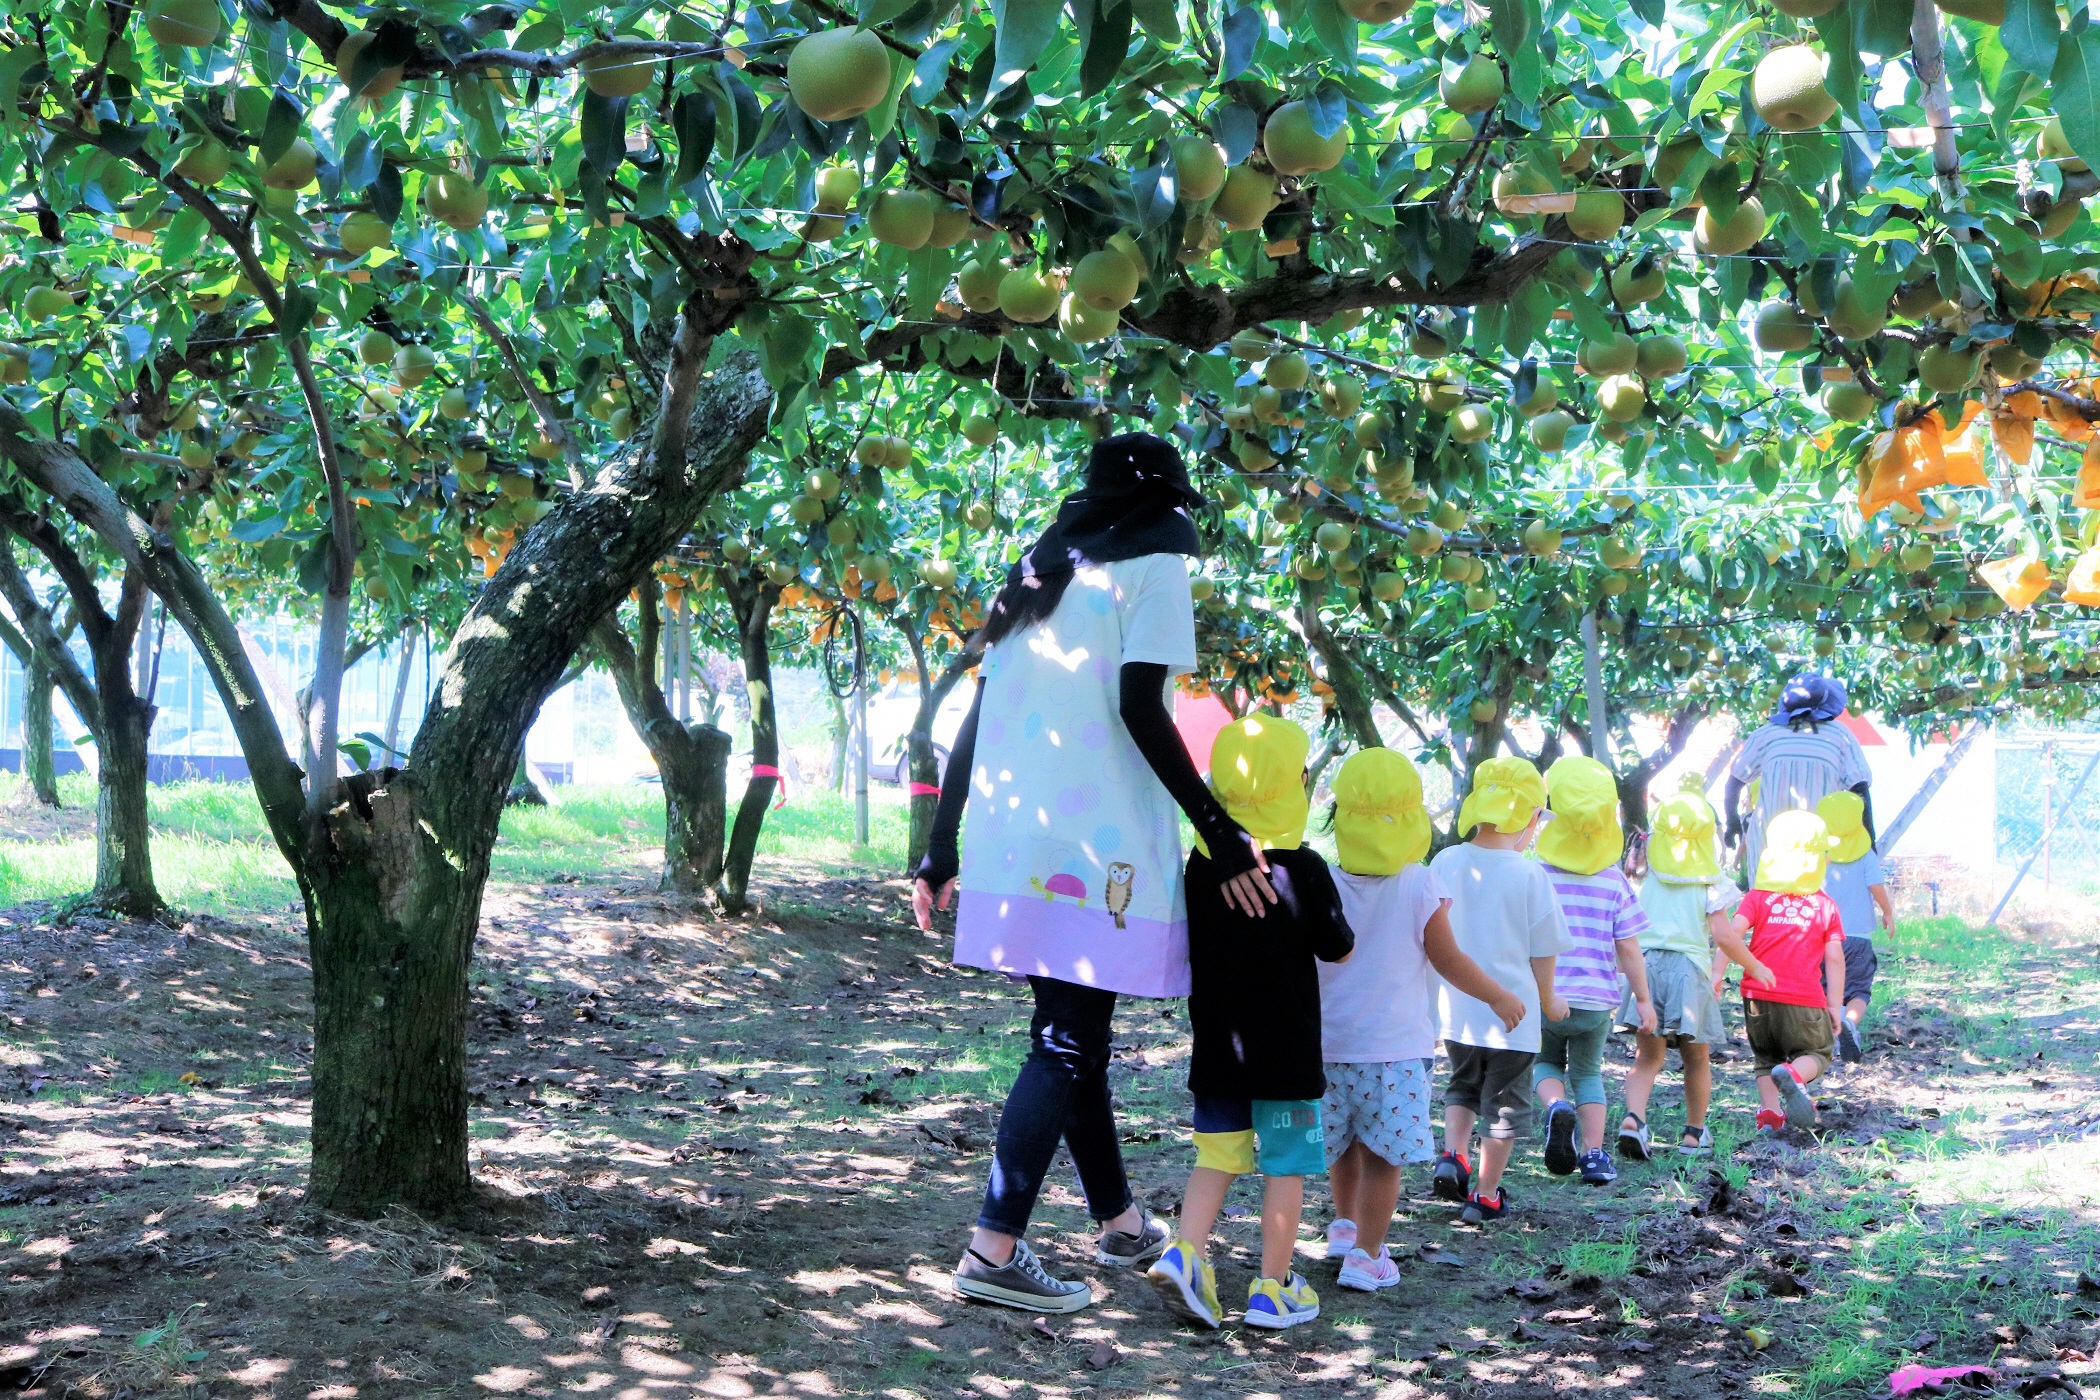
<point x="2019" y="579"/>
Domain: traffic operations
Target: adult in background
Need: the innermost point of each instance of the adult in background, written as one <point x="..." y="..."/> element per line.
<point x="1071" y="770"/>
<point x="1797" y="758"/>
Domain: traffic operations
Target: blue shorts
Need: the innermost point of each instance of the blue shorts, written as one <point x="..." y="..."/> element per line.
<point x="1288" y="1132"/>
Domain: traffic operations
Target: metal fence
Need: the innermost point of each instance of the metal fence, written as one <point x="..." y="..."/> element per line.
<point x="2040" y="871"/>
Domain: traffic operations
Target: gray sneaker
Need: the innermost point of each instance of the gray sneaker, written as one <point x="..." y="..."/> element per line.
<point x="1021" y="1282"/>
<point x="1121" y="1251"/>
<point x="1800" y="1108"/>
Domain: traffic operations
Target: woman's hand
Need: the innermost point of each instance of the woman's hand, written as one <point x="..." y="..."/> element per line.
<point x="1246" y="891"/>
<point x="924" y="901"/>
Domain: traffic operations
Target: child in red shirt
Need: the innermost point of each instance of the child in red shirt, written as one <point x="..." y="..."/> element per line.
<point x="1793" y="969"/>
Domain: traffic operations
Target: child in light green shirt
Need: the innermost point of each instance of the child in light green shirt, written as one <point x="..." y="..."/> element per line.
<point x="1686" y="898"/>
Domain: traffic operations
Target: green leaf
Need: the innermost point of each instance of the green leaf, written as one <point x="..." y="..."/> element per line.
<point x="256" y="531"/>
<point x="184" y="236"/>
<point x="883" y="116"/>
<point x="281" y="125"/>
<point x="300" y="303"/>
<point x="1881" y="27"/>
<point x="1844" y="75"/>
<point x="1158" y="19"/>
<point x="1025" y="30"/>
<point x="2030" y="35"/>
<point x="1512" y="23"/>
<point x="604" y="131"/>
<point x="1107" y="45"/>
<point x="1244" y="28"/>
<point x="2076" y="75"/>
<point x="693" y="119"/>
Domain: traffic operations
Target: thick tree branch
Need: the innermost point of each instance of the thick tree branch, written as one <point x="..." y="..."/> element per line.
<point x="66" y="477"/>
<point x="39" y="634"/>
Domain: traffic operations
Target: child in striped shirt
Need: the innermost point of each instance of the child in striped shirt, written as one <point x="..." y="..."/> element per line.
<point x="1580" y="849"/>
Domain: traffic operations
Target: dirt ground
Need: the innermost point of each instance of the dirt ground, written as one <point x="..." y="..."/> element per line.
<point x="734" y="1158"/>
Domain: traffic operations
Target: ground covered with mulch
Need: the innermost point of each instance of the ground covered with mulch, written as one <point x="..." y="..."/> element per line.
<point x="738" y="1157"/>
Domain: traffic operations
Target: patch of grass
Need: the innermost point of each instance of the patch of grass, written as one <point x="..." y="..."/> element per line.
<point x="1607" y="1259"/>
<point x="196" y="873"/>
<point x="212" y="851"/>
<point x="818" y="826"/>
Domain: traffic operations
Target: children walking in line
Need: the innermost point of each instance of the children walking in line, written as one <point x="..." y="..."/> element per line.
<point x="1855" y="884"/>
<point x="1505" y="918"/>
<point x="1688" y="902"/>
<point x="1793" y="969"/>
<point x="1580" y="848"/>
<point x="1254" y="1011"/>
<point x="1376" y="1031"/>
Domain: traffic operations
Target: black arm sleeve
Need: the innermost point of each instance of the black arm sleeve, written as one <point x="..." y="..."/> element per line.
<point x="1866" y="816"/>
<point x="942" y="860"/>
<point x="1143" y="708"/>
<point x="1732" y="799"/>
<point x="1320" y="911"/>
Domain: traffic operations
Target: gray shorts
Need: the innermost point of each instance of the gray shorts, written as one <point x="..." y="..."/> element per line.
<point x="1860" y="967"/>
<point x="1494" y="1084"/>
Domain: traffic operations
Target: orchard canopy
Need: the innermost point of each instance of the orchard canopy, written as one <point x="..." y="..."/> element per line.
<point x="1732" y="338"/>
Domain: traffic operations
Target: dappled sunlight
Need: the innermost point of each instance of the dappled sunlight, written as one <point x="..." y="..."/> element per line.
<point x="738" y="1158"/>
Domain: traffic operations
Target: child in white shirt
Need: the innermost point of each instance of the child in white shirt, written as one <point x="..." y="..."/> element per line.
<point x="1376" y="1028"/>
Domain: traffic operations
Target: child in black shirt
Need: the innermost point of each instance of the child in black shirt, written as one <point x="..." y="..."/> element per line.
<point x="1254" y="1008"/>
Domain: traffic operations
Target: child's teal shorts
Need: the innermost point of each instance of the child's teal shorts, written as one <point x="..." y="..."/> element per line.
<point x="1288" y="1132"/>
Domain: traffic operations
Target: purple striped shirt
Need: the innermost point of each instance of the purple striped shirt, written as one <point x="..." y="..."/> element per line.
<point x="1600" y="909"/>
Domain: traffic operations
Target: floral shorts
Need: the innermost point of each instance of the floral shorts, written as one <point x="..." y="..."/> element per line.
<point x="1385" y="1106"/>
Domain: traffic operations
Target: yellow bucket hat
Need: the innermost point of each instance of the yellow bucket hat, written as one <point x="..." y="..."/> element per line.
<point x="1796" y="854"/>
<point x="1681" y="844"/>
<point x="1379" y="824"/>
<point x="1257" y="769"/>
<point x="1506" y="792"/>
<point x="1584" y="836"/>
<point x="1845" y="813"/>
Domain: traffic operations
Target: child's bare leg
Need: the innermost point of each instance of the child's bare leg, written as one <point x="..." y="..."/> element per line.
<point x="1494" y="1159"/>
<point x="1767" y="1092"/>
<point x="1201" y="1200"/>
<point x="1345" y="1182"/>
<point x="1282" y="1204"/>
<point x="1698" y="1081"/>
<point x="1807" y="1068"/>
<point x="1591" y="1117"/>
<point x="1552" y="1091"/>
<point x="1856" y="1011"/>
<point x="1377" y="1194"/>
<point x="1649" y="1052"/>
<point x="1458" y="1130"/>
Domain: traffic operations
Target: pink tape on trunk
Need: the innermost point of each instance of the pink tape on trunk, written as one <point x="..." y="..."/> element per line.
<point x="767" y="770"/>
<point x="925" y="790"/>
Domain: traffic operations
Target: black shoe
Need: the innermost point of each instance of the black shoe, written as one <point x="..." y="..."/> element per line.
<point x="1848" y="1041"/>
<point x="1560" y="1138"/>
<point x="1479" y="1209"/>
<point x="1454" y="1179"/>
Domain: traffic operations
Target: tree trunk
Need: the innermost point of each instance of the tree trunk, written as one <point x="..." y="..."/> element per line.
<point x="839" y="727"/>
<point x="691" y="759"/>
<point x="393" y="866"/>
<point x="1352" y="698"/>
<point x="391" y="924"/>
<point x="751" y="599"/>
<point x="524" y="792"/>
<point x="695" y="773"/>
<point x="123" y="848"/>
<point x="39" y="765"/>
<point x="924" y="763"/>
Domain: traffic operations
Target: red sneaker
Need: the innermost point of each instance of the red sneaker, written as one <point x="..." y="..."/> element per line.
<point x="1770" y="1122"/>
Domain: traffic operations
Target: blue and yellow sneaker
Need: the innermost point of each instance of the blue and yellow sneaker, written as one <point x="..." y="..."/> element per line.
<point x="1187" y="1284"/>
<point x="1279" y="1305"/>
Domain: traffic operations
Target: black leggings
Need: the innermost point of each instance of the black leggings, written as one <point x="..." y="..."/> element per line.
<point x="1061" y="1093"/>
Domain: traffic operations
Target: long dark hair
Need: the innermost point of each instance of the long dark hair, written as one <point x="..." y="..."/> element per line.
<point x="1135" y="502"/>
